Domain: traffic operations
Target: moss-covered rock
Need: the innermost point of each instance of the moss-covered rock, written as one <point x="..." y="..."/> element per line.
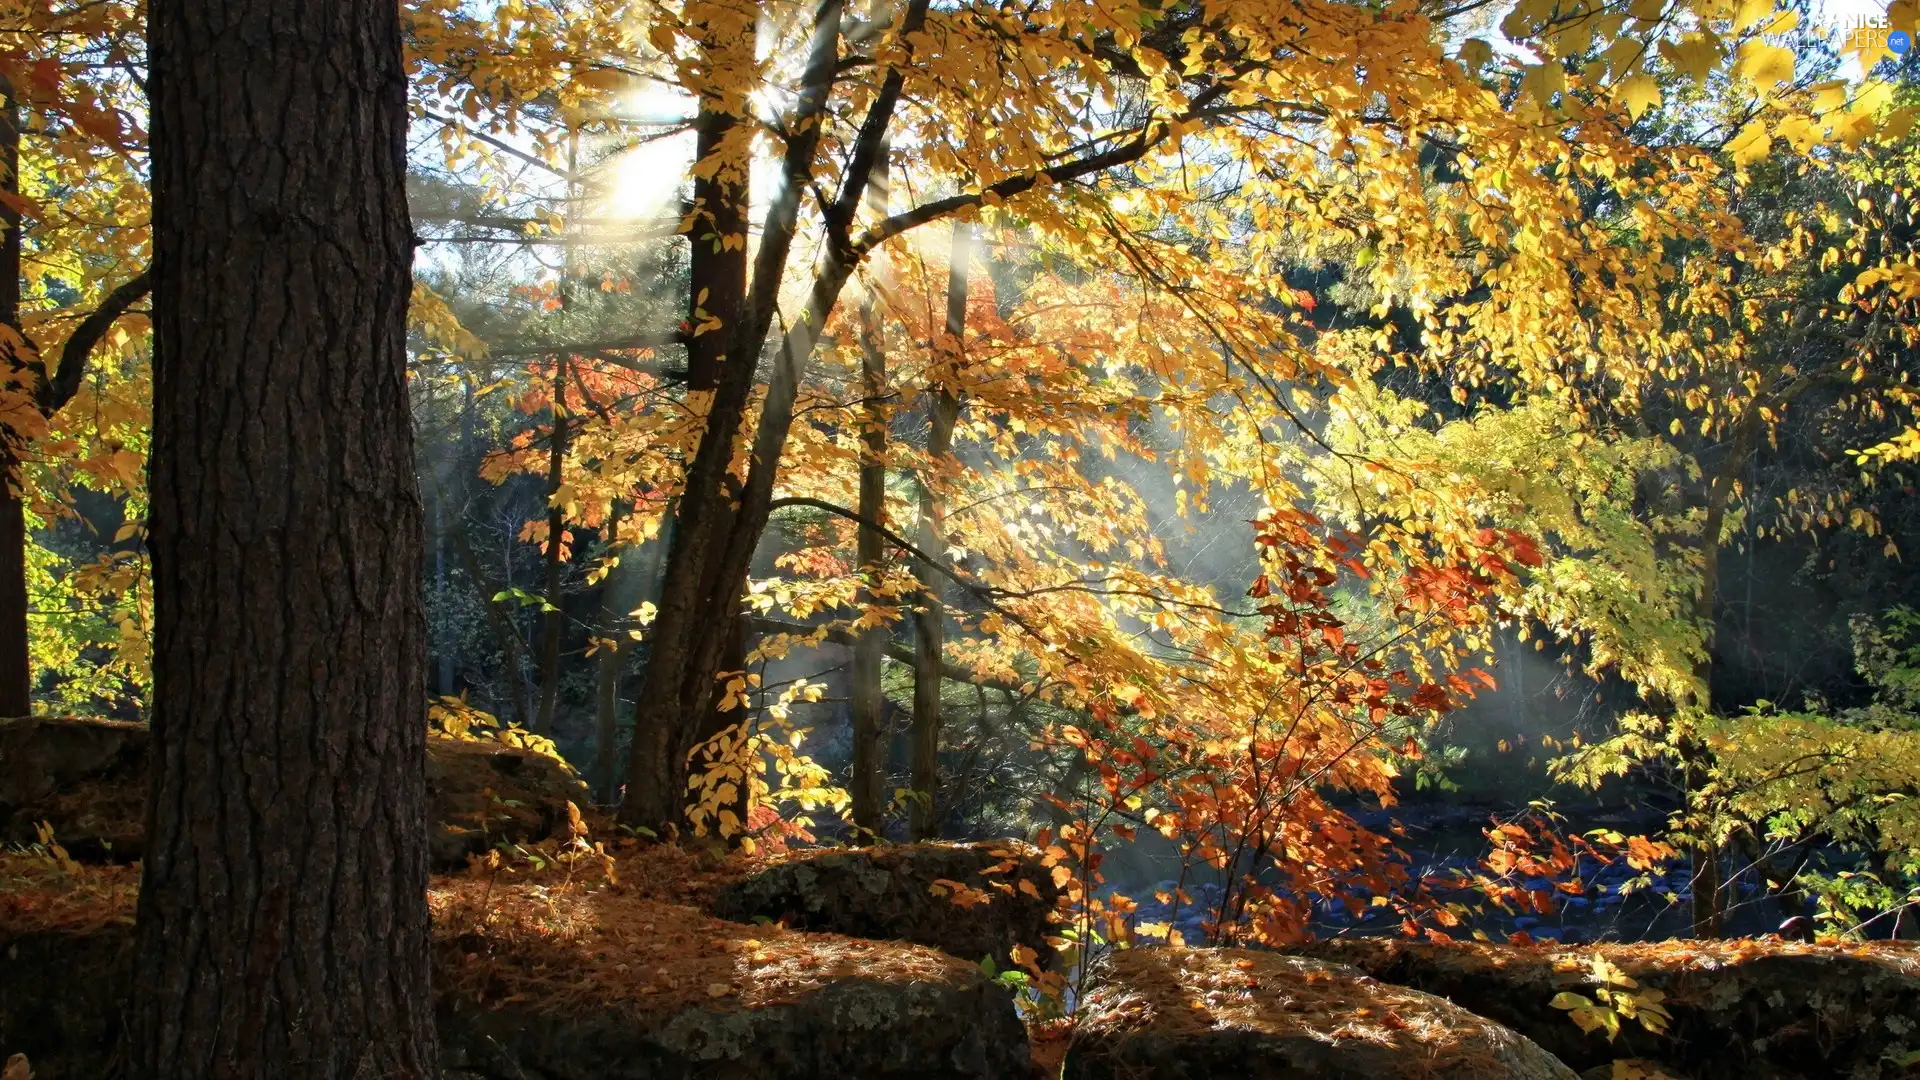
<point x="1742" y="1010"/>
<point x="88" y="780"/>
<point x="480" y="792"/>
<point x="1187" y="1014"/>
<point x="899" y="893"/>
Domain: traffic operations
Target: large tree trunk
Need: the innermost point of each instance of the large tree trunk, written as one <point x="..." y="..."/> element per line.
<point x="695" y="609"/>
<point x="719" y="518"/>
<point x="16" y="672"/>
<point x="283" y="928"/>
<point x="870" y="645"/>
<point x="930" y="620"/>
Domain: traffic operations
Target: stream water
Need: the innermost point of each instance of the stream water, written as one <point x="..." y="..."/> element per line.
<point x="1442" y="839"/>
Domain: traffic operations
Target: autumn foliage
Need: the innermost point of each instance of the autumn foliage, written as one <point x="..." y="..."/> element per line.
<point x="1444" y="326"/>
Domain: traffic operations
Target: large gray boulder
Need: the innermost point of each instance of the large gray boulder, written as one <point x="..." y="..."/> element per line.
<point x="1188" y="1014"/>
<point x="1741" y="1010"/>
<point x="895" y="893"/>
<point x="850" y="1027"/>
<point x="88" y="780"/>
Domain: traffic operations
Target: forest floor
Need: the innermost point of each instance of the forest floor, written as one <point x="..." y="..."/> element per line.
<point x="632" y="933"/>
<point x="570" y="934"/>
<point x="595" y="957"/>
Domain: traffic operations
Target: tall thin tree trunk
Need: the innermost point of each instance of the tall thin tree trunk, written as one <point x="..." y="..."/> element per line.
<point x="1697" y="766"/>
<point x="282" y="926"/>
<point x="930" y="620"/>
<point x="718" y="720"/>
<point x="504" y="628"/>
<point x="443" y="670"/>
<point x="16" y="671"/>
<point x="667" y="722"/>
<point x="448" y="643"/>
<point x="553" y="619"/>
<point x="617" y="600"/>
<point x="870" y="646"/>
<point x="719" y="520"/>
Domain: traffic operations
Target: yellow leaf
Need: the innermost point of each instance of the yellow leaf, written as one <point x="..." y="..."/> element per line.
<point x="1751" y="143"/>
<point x="1543" y="81"/>
<point x="1638" y="94"/>
<point x="602" y="79"/>
<point x="1799" y="131"/>
<point x="1751" y="13"/>
<point x="1763" y="64"/>
<point x="1695" y="55"/>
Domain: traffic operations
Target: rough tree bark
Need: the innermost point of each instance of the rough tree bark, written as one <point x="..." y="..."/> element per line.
<point x="709" y="754"/>
<point x="929" y="633"/>
<point x="282" y="924"/>
<point x="870" y="645"/>
<point x="16" y="672"/>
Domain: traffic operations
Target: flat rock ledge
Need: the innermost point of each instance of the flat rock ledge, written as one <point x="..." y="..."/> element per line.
<point x="851" y="1027"/>
<point x="823" y="1008"/>
<point x="1742" y="1010"/>
<point x="88" y="780"/>
<point x="892" y="893"/>
<point x="1189" y="1014"/>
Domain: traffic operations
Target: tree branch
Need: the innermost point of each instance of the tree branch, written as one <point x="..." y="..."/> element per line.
<point x="897" y="651"/>
<point x="57" y="391"/>
<point x="635" y="341"/>
<point x="503" y="146"/>
<point x="983" y="593"/>
<point x="1151" y="135"/>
